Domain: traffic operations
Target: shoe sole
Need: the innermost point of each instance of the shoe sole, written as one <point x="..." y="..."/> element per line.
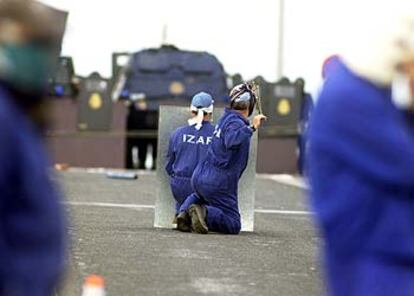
<point x="182" y="224"/>
<point x="197" y="223"/>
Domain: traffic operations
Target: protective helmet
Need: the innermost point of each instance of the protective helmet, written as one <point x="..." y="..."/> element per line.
<point x="243" y="93"/>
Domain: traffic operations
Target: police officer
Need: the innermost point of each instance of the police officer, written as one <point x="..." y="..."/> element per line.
<point x="188" y="147"/>
<point x="214" y="205"/>
<point x="31" y="218"/>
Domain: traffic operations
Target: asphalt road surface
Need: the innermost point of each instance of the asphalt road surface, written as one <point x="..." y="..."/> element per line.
<point x="112" y="234"/>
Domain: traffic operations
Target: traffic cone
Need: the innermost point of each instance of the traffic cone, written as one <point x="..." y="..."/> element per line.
<point x="94" y="286"/>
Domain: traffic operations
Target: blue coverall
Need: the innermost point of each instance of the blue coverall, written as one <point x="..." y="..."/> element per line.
<point x="187" y="148"/>
<point x="31" y="218"/>
<point x="305" y="116"/>
<point x="362" y="187"/>
<point x="215" y="180"/>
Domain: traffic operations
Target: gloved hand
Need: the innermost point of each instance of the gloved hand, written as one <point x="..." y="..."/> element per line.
<point x="257" y="120"/>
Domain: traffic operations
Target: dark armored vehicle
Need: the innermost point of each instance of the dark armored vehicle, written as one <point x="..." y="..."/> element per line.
<point x="164" y="75"/>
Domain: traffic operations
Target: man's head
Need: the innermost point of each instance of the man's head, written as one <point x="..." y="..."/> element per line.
<point x="28" y="37"/>
<point x="30" y="34"/>
<point x="243" y="99"/>
<point x="382" y="50"/>
<point x="378" y="48"/>
<point x="202" y="106"/>
<point x="330" y="65"/>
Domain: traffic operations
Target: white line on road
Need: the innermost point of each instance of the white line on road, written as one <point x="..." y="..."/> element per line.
<point x="109" y="205"/>
<point x="151" y="207"/>
<point x="285" y="179"/>
<point x="282" y="212"/>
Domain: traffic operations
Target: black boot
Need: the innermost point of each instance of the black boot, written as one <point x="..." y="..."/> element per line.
<point x="183" y="222"/>
<point x="198" y="216"/>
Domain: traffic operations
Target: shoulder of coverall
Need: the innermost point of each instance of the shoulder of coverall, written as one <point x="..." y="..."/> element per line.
<point x="181" y="129"/>
<point x="230" y="114"/>
<point x="337" y="92"/>
<point x="185" y="129"/>
<point x="234" y="119"/>
<point x="207" y="124"/>
<point x="177" y="133"/>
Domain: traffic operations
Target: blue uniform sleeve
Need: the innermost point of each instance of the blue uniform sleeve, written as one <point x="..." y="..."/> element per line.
<point x="370" y="137"/>
<point x="235" y="134"/>
<point x="170" y="158"/>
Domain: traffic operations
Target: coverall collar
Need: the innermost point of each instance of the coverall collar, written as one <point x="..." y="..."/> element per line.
<point x="228" y="111"/>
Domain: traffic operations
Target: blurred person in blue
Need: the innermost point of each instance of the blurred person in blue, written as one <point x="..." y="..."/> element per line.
<point x="329" y="67"/>
<point x="32" y="240"/>
<point x="304" y="118"/>
<point x="361" y="162"/>
<point x="188" y="147"/>
<point x="214" y="204"/>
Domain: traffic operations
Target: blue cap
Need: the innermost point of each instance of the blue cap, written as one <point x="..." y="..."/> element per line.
<point x="202" y="100"/>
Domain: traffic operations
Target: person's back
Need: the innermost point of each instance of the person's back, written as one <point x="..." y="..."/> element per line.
<point x="227" y="157"/>
<point x="188" y="147"/>
<point x="361" y="168"/>
<point x="221" y="152"/>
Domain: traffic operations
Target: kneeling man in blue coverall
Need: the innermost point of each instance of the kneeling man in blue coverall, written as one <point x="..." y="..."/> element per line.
<point x="214" y="204"/>
<point x="188" y="147"/>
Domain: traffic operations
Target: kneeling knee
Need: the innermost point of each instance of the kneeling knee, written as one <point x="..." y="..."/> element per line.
<point x="236" y="228"/>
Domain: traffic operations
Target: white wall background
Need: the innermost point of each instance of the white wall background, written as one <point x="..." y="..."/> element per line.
<point x="241" y="33"/>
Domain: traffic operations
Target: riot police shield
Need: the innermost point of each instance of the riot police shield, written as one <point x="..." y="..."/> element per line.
<point x="282" y="104"/>
<point x="95" y="104"/>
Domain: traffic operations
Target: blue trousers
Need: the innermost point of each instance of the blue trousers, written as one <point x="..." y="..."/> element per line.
<point x="222" y="207"/>
<point x="181" y="188"/>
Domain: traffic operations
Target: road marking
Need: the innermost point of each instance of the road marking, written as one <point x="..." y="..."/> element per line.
<point x="151" y="207"/>
<point x="282" y="212"/>
<point x="285" y="179"/>
<point x="109" y="205"/>
<point x="103" y="171"/>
